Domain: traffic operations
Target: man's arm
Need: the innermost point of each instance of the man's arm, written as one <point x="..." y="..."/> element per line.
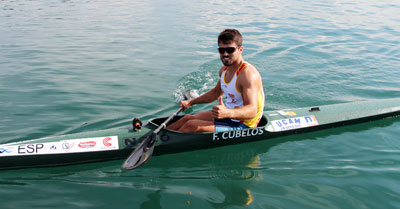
<point x="207" y="97"/>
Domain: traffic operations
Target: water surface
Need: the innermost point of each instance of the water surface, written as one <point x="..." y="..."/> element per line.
<point x="72" y="66"/>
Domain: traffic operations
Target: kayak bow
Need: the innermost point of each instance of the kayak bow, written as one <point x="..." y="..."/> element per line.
<point x="118" y="143"/>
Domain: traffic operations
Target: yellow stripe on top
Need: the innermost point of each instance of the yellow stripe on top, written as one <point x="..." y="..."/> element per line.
<point x="252" y="123"/>
<point x="241" y="67"/>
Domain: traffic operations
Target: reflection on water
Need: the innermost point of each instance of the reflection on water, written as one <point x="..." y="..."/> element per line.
<point x="153" y="201"/>
<point x="233" y="193"/>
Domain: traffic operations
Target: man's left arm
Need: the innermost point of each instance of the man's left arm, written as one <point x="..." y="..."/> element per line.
<point x="249" y="83"/>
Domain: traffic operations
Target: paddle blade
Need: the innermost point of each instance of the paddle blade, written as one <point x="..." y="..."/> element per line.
<point x="191" y="94"/>
<point x="141" y="154"/>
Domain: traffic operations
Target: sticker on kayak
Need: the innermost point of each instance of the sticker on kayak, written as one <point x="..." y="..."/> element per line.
<point x="294" y="123"/>
<point x="287" y="113"/>
<point x="63" y="146"/>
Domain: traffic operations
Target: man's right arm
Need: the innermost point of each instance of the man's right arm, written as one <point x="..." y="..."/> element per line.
<point x="207" y="97"/>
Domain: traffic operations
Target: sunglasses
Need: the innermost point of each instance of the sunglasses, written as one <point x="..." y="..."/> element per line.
<point x="230" y="50"/>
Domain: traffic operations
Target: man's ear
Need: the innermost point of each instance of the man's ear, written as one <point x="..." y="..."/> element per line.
<point x="241" y="49"/>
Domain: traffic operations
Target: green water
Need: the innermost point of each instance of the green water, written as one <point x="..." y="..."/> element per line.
<point x="72" y="66"/>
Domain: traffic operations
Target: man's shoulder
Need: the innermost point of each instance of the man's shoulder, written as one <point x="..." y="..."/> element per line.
<point x="250" y="66"/>
<point x="249" y="70"/>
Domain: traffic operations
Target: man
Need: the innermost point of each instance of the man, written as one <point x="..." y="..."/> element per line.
<point x="241" y="85"/>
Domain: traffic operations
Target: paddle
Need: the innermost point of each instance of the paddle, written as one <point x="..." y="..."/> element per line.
<point x="143" y="152"/>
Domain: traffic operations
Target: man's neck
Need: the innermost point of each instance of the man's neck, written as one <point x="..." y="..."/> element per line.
<point x="235" y="65"/>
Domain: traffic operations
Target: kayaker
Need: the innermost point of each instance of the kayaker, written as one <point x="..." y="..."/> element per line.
<point x="241" y="85"/>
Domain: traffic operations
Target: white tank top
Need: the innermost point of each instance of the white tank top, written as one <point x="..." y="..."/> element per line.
<point x="234" y="98"/>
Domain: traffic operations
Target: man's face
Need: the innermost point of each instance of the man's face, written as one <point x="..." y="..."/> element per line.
<point x="228" y="58"/>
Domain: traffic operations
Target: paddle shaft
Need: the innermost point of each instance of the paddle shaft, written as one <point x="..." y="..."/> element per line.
<point x="189" y="94"/>
<point x="164" y="125"/>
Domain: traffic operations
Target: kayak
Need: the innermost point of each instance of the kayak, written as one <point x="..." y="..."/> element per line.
<point x="118" y="143"/>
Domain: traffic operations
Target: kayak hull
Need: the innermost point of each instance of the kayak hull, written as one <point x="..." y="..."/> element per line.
<point x="118" y="143"/>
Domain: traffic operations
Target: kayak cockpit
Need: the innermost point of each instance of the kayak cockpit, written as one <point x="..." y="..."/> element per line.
<point x="263" y="121"/>
<point x="158" y="121"/>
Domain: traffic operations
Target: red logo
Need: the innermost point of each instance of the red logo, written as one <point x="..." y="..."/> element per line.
<point x="106" y="142"/>
<point x="89" y="144"/>
<point x="232" y="95"/>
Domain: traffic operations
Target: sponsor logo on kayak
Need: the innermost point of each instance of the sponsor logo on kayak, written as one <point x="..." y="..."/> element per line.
<point x="89" y="144"/>
<point x="67" y="146"/>
<point x="30" y="148"/>
<point x="291" y="113"/>
<point x="287" y="113"/>
<point x="294" y="123"/>
<point x="61" y="147"/>
<point x="106" y="142"/>
<point x="238" y="133"/>
<point x="3" y="150"/>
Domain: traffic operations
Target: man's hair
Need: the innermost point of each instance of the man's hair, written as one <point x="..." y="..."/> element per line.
<point x="230" y="35"/>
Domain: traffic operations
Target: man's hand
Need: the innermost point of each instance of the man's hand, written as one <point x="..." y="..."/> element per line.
<point x="220" y="111"/>
<point x="185" y="104"/>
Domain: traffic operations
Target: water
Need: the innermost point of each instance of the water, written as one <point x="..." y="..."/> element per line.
<point x="72" y="66"/>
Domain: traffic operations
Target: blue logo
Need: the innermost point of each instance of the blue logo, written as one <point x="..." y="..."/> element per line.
<point x="2" y="150"/>
<point x="65" y="145"/>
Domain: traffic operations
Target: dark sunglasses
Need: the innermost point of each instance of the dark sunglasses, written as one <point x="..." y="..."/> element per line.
<point x="230" y="50"/>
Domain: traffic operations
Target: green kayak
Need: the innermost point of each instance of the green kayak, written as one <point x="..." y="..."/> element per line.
<point x="118" y="143"/>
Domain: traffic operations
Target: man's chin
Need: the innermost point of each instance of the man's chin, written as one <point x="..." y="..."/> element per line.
<point x="227" y="63"/>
